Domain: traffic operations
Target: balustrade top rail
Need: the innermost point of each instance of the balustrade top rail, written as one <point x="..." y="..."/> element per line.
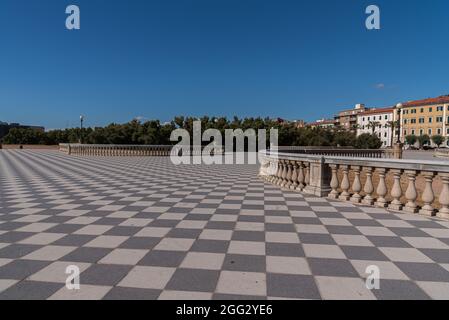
<point x="341" y="151"/>
<point x="406" y="164"/>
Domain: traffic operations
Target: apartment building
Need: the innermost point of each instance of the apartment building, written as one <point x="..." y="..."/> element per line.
<point x="322" y="123"/>
<point x="379" y="122"/>
<point x="347" y="119"/>
<point x="427" y="116"/>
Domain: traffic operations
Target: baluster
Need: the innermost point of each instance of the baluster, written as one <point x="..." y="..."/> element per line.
<point x="294" y="184"/>
<point x="288" y="176"/>
<point x="334" y="182"/>
<point x="396" y="191"/>
<point x="369" y="187"/>
<point x="344" y="195"/>
<point x="301" y="177"/>
<point x="381" y="188"/>
<point x="284" y="173"/>
<point x="428" y="195"/>
<point x="444" y="196"/>
<point x="411" y="194"/>
<point x="356" y="185"/>
<point x="307" y="174"/>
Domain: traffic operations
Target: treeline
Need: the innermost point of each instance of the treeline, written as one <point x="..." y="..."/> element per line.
<point x="153" y="132"/>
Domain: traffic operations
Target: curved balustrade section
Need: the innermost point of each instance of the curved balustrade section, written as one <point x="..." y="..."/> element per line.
<point x="341" y="151"/>
<point x="363" y="180"/>
<point x="127" y="150"/>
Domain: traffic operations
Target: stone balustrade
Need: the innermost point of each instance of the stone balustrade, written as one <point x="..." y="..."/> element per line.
<point x="126" y="150"/>
<point x="341" y="178"/>
<point x="342" y="152"/>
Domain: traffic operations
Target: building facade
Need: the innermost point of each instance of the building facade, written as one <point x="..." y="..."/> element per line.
<point x="347" y="119"/>
<point x="322" y="123"/>
<point x="379" y="122"/>
<point x="427" y="116"/>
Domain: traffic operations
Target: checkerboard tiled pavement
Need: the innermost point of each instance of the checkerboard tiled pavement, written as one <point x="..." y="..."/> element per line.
<point x="143" y="228"/>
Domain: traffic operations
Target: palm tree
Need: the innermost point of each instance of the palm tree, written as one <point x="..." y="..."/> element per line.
<point x="392" y="125"/>
<point x="373" y="125"/>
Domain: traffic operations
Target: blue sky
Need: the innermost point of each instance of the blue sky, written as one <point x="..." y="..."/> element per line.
<point x="161" y="58"/>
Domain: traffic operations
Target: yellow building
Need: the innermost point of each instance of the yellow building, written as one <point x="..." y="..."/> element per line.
<point x="427" y="116"/>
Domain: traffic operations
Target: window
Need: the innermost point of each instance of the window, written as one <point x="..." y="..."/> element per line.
<point x="422" y="110"/>
<point x="386" y="117"/>
<point x="447" y="131"/>
<point x="440" y="108"/>
<point x="439" y="119"/>
<point x="413" y="120"/>
<point x="421" y="120"/>
<point x="405" y="121"/>
<point x="429" y="131"/>
<point x="439" y="131"/>
<point x="363" y="119"/>
<point x="430" y="109"/>
<point x="385" y="135"/>
<point x="413" y="131"/>
<point x="421" y="131"/>
<point x="430" y="119"/>
<point x="405" y="132"/>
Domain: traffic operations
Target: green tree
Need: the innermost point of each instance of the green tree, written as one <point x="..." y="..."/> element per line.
<point x="411" y="139"/>
<point x="438" y="139"/>
<point x="423" y="140"/>
<point x="368" y="141"/>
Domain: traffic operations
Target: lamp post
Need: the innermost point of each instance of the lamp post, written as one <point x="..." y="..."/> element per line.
<point x="81" y="128"/>
<point x="399" y="108"/>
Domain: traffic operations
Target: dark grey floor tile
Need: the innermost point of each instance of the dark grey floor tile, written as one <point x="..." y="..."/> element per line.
<point x="343" y="230"/>
<point x="240" y="262"/>
<point x="74" y="240"/>
<point x="163" y="258"/>
<point x="104" y="274"/>
<point x="85" y="254"/>
<point x="284" y="249"/>
<point x="122" y="231"/>
<point x="30" y="290"/>
<point x="140" y="243"/>
<point x="15" y="251"/>
<point x="316" y="238"/>
<point x="399" y="290"/>
<point x="332" y="267"/>
<point x="248" y="235"/>
<point x="408" y="232"/>
<point x="389" y="242"/>
<point x="292" y="286"/>
<point x="437" y="255"/>
<point x="65" y="228"/>
<point x="184" y="233"/>
<point x="214" y="246"/>
<point x="21" y="269"/>
<point x="193" y="280"/>
<point x="14" y="236"/>
<point x="121" y="293"/>
<point x="363" y="253"/>
<point x="424" y="271"/>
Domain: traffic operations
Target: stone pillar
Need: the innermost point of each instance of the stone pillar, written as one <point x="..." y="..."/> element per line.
<point x="396" y="191"/>
<point x="319" y="179"/>
<point x="444" y="197"/>
<point x="356" y="185"/>
<point x="369" y="187"/>
<point x="397" y="151"/>
<point x="411" y="194"/>
<point x="428" y="195"/>
<point x="381" y="189"/>
<point x="344" y="195"/>
<point x="334" y="182"/>
<point x="288" y="177"/>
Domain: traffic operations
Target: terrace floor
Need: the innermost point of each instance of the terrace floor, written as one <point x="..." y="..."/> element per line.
<point x="141" y="228"/>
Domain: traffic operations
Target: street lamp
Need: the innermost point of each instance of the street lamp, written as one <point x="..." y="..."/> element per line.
<point x="399" y="108"/>
<point x="81" y="128"/>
